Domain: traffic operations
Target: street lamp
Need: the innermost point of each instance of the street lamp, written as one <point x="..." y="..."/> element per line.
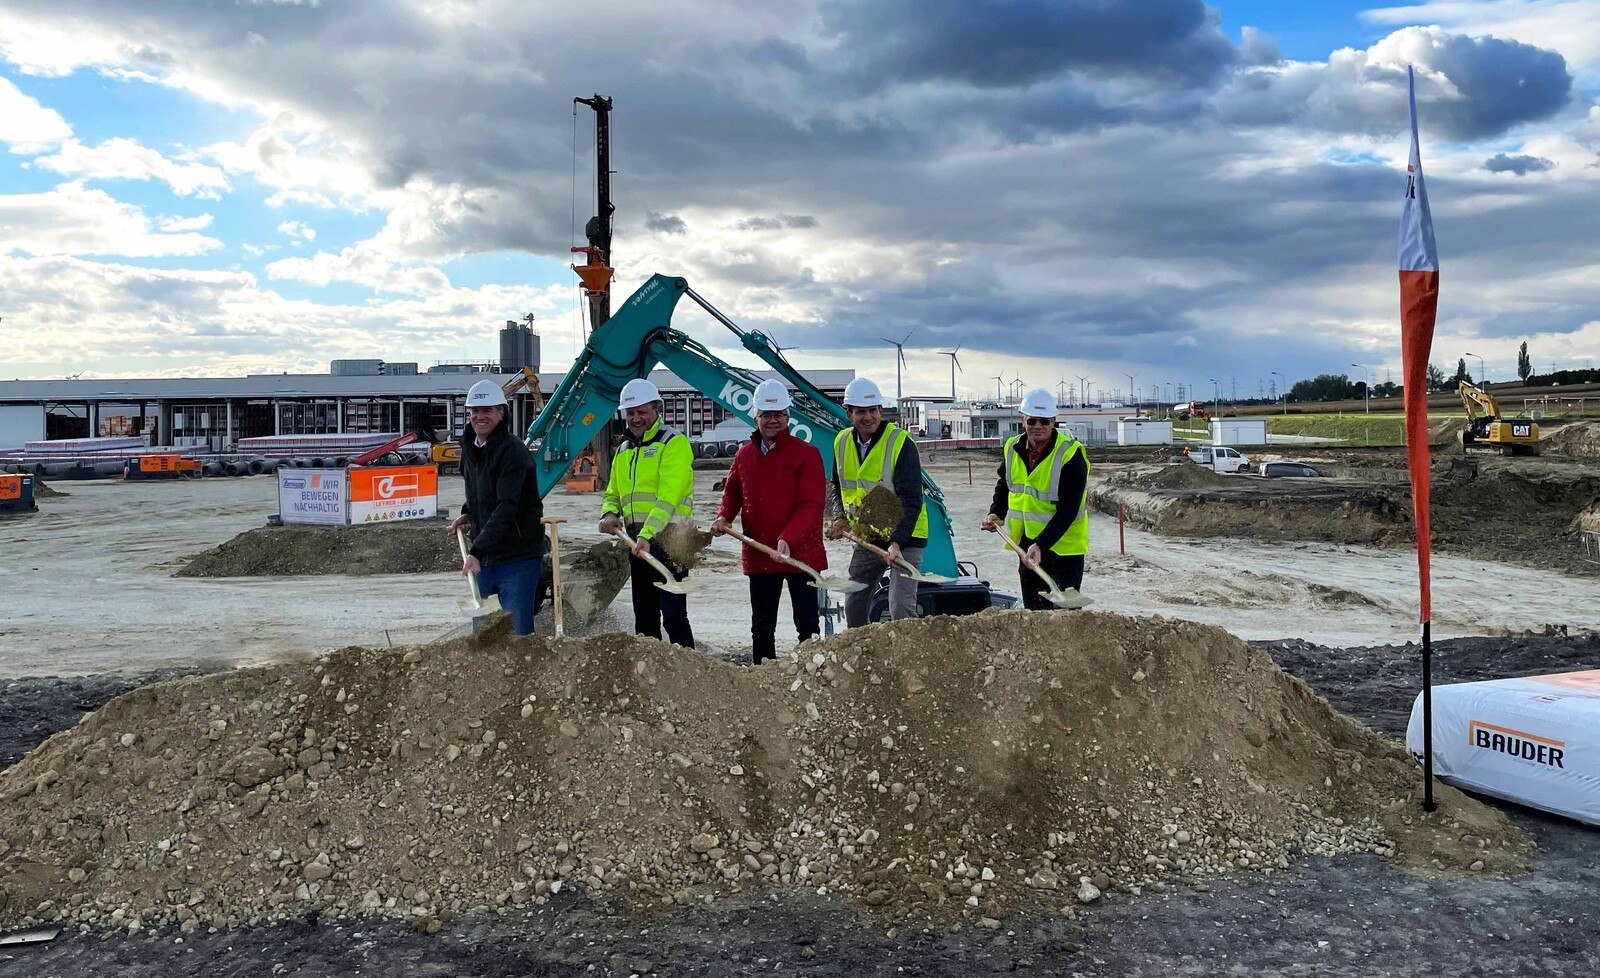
<point x="1284" y="390"/>
<point x="1132" y="394"/>
<point x="1483" y="376"/>
<point x="1369" y="386"/>
<point x="1216" y="403"/>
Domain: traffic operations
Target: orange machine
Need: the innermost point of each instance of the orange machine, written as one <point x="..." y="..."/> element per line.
<point x="16" y="494"/>
<point x="167" y="466"/>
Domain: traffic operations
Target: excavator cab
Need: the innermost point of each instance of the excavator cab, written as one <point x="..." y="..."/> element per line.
<point x="1485" y="426"/>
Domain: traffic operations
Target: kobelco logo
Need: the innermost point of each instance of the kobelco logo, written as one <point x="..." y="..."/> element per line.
<point x="391" y="486"/>
<point x="743" y="400"/>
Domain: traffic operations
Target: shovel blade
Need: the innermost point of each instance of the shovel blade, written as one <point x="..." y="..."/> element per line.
<point x="841" y="584"/>
<point x="674" y="587"/>
<point x="488" y="606"/>
<point x="1070" y="599"/>
<point x="934" y="578"/>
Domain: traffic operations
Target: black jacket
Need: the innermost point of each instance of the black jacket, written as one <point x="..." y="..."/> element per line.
<point x="502" y="498"/>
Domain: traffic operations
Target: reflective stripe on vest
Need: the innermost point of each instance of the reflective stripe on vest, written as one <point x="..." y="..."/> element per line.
<point x="854" y="479"/>
<point x="1034" y="497"/>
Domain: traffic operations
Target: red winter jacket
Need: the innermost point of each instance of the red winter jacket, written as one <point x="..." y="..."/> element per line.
<point x="780" y="494"/>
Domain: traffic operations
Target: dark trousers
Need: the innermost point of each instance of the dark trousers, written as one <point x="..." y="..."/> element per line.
<point x="1066" y="571"/>
<point x="653" y="607"/>
<point x="516" y="584"/>
<point x="765" y="590"/>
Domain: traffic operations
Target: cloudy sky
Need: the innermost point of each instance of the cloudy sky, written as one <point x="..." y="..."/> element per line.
<point x="1063" y="187"/>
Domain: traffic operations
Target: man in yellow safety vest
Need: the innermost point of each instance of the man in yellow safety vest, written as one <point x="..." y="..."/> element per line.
<point x="651" y="485"/>
<point x="1043" y="499"/>
<point x="866" y="455"/>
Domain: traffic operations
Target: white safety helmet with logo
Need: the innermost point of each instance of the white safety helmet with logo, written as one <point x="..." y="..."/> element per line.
<point x="862" y="392"/>
<point x="486" y="393"/>
<point x="637" y="392"/>
<point x="771" y="395"/>
<point x="1038" y="403"/>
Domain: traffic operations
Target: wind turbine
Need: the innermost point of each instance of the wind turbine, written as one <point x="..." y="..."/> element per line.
<point x="900" y="361"/>
<point x="1017" y="386"/>
<point x="1083" y="391"/>
<point x="997" y="381"/>
<point x="1061" y="391"/>
<point x="955" y="364"/>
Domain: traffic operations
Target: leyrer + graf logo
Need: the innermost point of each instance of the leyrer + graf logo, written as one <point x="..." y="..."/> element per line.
<point x="390" y="486"/>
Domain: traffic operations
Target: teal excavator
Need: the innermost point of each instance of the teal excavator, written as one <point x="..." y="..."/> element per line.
<point x="639" y="337"/>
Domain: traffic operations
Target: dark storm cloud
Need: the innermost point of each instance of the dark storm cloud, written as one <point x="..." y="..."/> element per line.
<point x="666" y="223"/>
<point x="1520" y="165"/>
<point x="1070" y="179"/>
<point x="1011" y="43"/>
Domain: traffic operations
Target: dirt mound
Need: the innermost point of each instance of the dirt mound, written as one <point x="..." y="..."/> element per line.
<point x="1581" y="439"/>
<point x="1186" y="475"/>
<point x="1517" y="510"/>
<point x="1033" y="760"/>
<point x="42" y="491"/>
<point x="1446" y="432"/>
<point x="402" y="547"/>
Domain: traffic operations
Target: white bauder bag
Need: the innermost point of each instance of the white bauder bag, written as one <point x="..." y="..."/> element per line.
<point x="1534" y="740"/>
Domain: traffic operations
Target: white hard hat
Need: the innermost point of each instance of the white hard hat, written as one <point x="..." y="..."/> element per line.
<point x="637" y="392"/>
<point x="485" y="393"/>
<point x="862" y="392"/>
<point x="1039" y="403"/>
<point x="771" y="395"/>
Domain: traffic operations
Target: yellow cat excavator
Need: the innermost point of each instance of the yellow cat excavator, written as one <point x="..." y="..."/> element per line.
<point x="1485" y="426"/>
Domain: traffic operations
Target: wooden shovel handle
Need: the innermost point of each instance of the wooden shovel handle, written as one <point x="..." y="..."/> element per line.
<point x="1023" y="554"/>
<point x="769" y="551"/>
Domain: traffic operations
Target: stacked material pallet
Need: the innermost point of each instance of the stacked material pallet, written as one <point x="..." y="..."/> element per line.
<point x="346" y="444"/>
<point x="85" y="446"/>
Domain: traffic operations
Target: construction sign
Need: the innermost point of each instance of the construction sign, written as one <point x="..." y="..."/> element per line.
<point x="312" y="496"/>
<point x="395" y="492"/>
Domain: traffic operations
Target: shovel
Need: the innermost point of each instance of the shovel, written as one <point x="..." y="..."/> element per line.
<point x="900" y="562"/>
<point x="1070" y="599"/>
<point x="554" y="523"/>
<point x="819" y="580"/>
<point x="670" y="584"/>
<point x="478" y="607"/>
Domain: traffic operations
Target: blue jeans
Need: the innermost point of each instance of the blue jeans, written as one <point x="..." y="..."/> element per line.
<point x="517" y="584"/>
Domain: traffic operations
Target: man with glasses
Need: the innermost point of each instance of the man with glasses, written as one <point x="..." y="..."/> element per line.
<point x="866" y="455"/>
<point x="776" y="488"/>
<point x="1043" y="499"/>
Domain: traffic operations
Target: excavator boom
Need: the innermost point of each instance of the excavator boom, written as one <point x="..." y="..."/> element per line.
<point x="640" y="337"/>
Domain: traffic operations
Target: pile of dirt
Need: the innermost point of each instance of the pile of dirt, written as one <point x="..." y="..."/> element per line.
<point x="42" y="491"/>
<point x="1518" y="510"/>
<point x="401" y="547"/>
<point x="591" y="580"/>
<point x="1192" y="501"/>
<point x="940" y="768"/>
<point x="1185" y="475"/>
<point x="1446" y="432"/>
<point x="879" y="514"/>
<point x="1581" y="440"/>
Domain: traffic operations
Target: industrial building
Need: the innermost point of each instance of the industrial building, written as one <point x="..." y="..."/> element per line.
<point x="989" y="419"/>
<point x="355" y="396"/>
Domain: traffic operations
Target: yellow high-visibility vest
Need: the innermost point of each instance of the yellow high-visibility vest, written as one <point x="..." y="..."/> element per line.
<point x="652" y="482"/>
<point x="859" y="476"/>
<point x="1034" y="497"/>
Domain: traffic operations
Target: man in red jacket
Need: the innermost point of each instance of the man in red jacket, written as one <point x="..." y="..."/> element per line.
<point x="776" y="483"/>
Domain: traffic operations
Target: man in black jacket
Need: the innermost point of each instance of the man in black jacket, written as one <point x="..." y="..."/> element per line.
<point x="503" y="508"/>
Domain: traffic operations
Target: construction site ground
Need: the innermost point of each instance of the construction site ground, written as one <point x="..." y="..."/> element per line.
<point x="90" y="585"/>
<point x="1352" y="915"/>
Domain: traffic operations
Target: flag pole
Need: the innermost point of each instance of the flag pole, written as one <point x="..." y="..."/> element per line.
<point x="1419" y="300"/>
<point x="1427" y="717"/>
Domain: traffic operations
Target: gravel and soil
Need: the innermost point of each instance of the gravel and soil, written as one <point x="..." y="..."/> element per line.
<point x="42" y="491"/>
<point x="1352" y="915"/>
<point x="403" y="547"/>
<point x="1525" y="511"/>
